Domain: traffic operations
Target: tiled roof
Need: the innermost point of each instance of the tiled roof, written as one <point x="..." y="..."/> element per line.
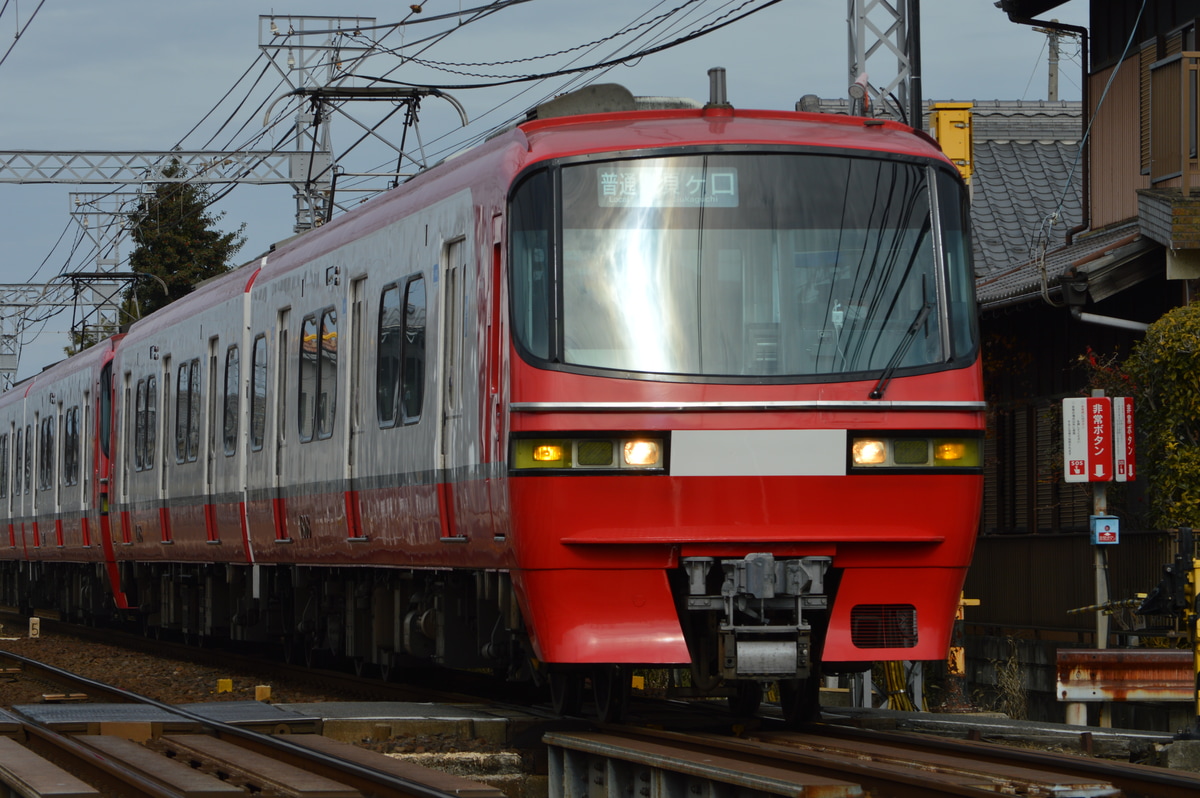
<point x="1026" y="184"/>
<point x="1024" y="280"/>
<point x="1017" y="197"/>
<point x="1025" y="187"/>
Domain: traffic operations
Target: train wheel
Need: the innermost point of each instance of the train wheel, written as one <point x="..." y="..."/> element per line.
<point x="746" y="698"/>
<point x="566" y="692"/>
<point x="610" y="689"/>
<point x="800" y="700"/>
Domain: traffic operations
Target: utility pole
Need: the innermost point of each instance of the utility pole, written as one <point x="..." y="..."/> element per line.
<point x="1052" y="49"/>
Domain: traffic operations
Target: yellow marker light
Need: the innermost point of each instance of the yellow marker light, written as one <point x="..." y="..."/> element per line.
<point x="547" y="453"/>
<point x="961" y="452"/>
<point x="868" y="451"/>
<point x="949" y="450"/>
<point x="641" y="453"/>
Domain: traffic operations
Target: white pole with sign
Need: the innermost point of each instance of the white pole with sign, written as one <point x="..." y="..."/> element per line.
<point x="1098" y="434"/>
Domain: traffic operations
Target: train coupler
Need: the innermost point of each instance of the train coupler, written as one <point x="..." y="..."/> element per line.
<point x="757" y="604"/>
<point x="759" y="655"/>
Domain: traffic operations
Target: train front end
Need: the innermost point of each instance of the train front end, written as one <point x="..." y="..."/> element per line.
<point x="745" y="400"/>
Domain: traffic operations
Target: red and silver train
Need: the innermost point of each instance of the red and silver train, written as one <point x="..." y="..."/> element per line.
<point x="688" y="387"/>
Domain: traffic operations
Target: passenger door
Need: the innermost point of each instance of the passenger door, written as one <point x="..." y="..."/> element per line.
<point x="450" y="404"/>
<point x="353" y="401"/>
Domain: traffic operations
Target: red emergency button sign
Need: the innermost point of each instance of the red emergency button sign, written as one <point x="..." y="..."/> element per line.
<point x="1087" y="439"/>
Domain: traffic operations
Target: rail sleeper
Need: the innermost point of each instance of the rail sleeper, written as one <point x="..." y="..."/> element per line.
<point x="258" y="769"/>
<point x="445" y="782"/>
<point x="596" y="764"/>
<point x="169" y="773"/>
<point x="28" y="775"/>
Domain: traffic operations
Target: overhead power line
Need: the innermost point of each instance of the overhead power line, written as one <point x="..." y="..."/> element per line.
<point x="20" y="32"/>
<point x="727" y="20"/>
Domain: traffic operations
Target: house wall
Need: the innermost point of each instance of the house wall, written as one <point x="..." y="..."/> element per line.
<point x="1116" y="145"/>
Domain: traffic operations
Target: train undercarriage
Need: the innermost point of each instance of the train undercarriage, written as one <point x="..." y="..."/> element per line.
<point x="749" y="622"/>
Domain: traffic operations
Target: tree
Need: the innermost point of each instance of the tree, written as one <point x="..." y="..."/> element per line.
<point x="177" y="243"/>
<point x="1163" y="367"/>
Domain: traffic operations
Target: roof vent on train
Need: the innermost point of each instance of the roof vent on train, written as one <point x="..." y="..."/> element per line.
<point x="604" y="98"/>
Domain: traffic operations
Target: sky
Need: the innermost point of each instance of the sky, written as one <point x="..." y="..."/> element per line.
<point x="147" y="75"/>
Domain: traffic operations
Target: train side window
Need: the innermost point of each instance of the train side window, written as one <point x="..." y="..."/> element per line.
<point x="28" y="465"/>
<point x="318" y="375"/>
<point x="531" y="270"/>
<point x="70" y="452"/>
<point x="387" y="363"/>
<point x="139" y="427"/>
<point x="412" y="382"/>
<point x="46" y="459"/>
<point x="258" y="396"/>
<point x="151" y="435"/>
<point x="105" y="402"/>
<point x="194" y="396"/>
<point x="306" y="407"/>
<point x="327" y="378"/>
<point x="187" y="412"/>
<point x="181" y="414"/>
<point x="232" y="379"/>
<point x="18" y="459"/>
<point x="4" y="466"/>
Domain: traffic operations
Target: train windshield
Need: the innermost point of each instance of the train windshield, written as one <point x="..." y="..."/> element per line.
<point x="743" y="265"/>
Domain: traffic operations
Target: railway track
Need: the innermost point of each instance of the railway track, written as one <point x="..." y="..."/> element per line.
<point x="146" y="748"/>
<point x="828" y="762"/>
<point x="439" y="685"/>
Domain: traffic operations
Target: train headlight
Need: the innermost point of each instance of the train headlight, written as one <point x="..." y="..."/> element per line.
<point x="641" y="453"/>
<point x="909" y="451"/>
<point x="868" y="452"/>
<point x="589" y="452"/>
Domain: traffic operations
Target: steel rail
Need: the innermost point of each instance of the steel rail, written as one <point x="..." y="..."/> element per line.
<point x="1133" y="779"/>
<point x="898" y="773"/>
<point x="364" y="777"/>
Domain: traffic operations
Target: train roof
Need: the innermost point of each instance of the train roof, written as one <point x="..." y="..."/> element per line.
<point x="668" y="123"/>
<point x="209" y="293"/>
<point x="632" y="130"/>
<point x="89" y="358"/>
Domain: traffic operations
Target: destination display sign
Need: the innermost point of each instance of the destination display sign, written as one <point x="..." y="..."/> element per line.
<point x="627" y="186"/>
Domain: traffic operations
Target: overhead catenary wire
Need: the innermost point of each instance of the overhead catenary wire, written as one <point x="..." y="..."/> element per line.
<point x="282" y="134"/>
<point x="20" y="31"/>
<point x="587" y="68"/>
